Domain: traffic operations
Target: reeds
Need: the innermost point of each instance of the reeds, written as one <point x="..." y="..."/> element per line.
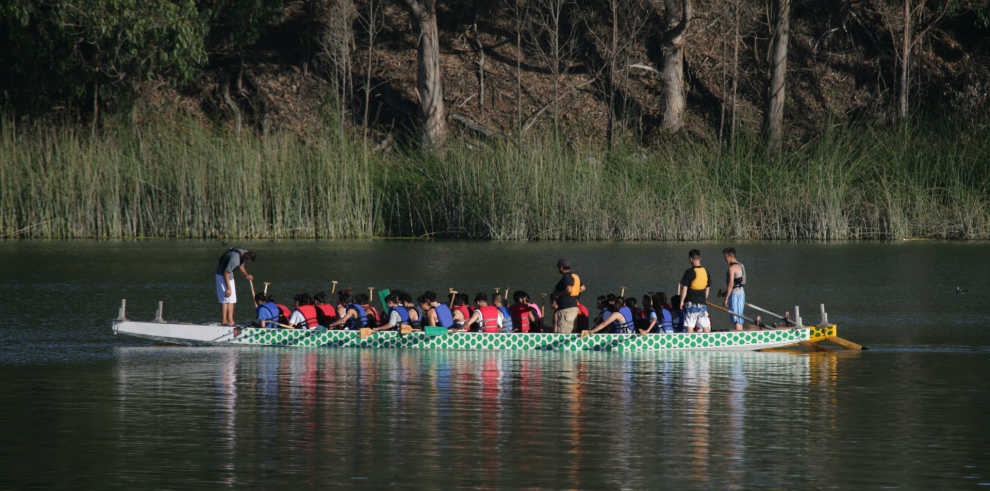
<point x="180" y="180"/>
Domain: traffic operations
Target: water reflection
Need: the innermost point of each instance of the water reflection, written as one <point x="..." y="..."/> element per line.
<point x="486" y="419"/>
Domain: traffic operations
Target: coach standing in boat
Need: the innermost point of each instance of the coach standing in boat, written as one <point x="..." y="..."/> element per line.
<point x="566" y="292"/>
<point x="735" y="279"/>
<point x="693" y="290"/>
<point x="234" y="258"/>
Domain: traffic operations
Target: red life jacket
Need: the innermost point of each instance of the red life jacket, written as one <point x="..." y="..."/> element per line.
<point x="489" y="319"/>
<point x="309" y="313"/>
<point x="374" y="313"/>
<point x="638" y="313"/>
<point x="464" y="311"/>
<point x="520" y="317"/>
<point x="582" y="318"/>
<point x="329" y="313"/>
<point x="284" y="314"/>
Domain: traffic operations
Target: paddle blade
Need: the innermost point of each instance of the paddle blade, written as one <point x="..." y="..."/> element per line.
<point x="405" y="329"/>
<point x="435" y="331"/>
<point x="585" y="334"/>
<point x="365" y="332"/>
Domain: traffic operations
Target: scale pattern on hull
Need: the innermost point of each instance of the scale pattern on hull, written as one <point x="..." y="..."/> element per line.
<point x="500" y="341"/>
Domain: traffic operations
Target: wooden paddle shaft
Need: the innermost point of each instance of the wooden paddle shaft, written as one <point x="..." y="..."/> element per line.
<point x="730" y="312"/>
<point x="764" y="311"/>
<point x="452" y="295"/>
<point x="334" y="289"/>
<point x="623" y="292"/>
<point x="266" y="288"/>
<point x="252" y="289"/>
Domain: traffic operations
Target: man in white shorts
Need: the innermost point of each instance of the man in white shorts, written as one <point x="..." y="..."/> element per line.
<point x="693" y="290"/>
<point x="234" y="258"/>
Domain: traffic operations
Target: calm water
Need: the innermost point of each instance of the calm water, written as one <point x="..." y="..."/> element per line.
<point x="82" y="409"/>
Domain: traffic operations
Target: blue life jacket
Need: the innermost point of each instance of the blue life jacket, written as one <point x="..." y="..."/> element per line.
<point x="362" y="319"/>
<point x="666" y="321"/>
<point x="625" y="327"/>
<point x="506" y="319"/>
<point x="444" y="317"/>
<point x="403" y="314"/>
<point x="267" y="312"/>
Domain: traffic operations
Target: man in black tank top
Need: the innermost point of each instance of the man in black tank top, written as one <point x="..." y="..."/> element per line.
<point x="735" y="295"/>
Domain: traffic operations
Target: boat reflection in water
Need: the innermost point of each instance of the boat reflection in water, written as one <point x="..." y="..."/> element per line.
<point x="480" y="419"/>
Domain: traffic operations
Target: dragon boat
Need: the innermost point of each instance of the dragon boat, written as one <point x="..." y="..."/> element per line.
<point x="442" y="339"/>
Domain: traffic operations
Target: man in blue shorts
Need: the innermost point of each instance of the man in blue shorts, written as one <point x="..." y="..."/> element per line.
<point x="735" y="278"/>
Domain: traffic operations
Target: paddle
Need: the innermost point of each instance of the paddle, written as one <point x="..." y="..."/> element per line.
<point x="783" y="318"/>
<point x="334" y="289"/>
<point x="735" y="314"/>
<point x="452" y="295"/>
<point x="623" y="292"/>
<point x="381" y="296"/>
<point x="266" y="288"/>
<point x="252" y="289"/>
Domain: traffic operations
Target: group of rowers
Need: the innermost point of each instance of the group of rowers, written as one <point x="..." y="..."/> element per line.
<point x="685" y="312"/>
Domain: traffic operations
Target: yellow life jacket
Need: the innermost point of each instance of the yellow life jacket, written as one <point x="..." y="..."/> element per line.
<point x="700" y="279"/>
<point x="576" y="289"/>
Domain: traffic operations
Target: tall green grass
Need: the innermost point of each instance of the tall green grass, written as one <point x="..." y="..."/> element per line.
<point x="929" y="180"/>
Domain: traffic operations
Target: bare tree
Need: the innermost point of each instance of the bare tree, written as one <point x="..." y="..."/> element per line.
<point x="676" y="18"/>
<point x="908" y="41"/>
<point x="374" y="22"/>
<point x="781" y="10"/>
<point x="428" y="84"/>
<point x="481" y="59"/>
<point x="336" y="44"/>
<point x="519" y="12"/>
<point x="554" y="44"/>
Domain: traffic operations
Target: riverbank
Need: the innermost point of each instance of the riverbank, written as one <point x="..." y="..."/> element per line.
<point x="180" y="180"/>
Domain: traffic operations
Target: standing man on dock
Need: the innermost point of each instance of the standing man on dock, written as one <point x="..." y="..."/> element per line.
<point x="566" y="292"/>
<point x="234" y="258"/>
<point x="735" y="278"/>
<point x="694" y="295"/>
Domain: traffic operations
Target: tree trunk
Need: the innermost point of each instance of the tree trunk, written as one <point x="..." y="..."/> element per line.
<point x="778" y="69"/>
<point x="231" y="104"/>
<point x="905" y="60"/>
<point x="676" y="20"/>
<point x="481" y="61"/>
<point x="735" y="73"/>
<point x="431" y="112"/>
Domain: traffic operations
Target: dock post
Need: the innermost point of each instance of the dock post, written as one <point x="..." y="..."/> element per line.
<point x="122" y="310"/>
<point x="158" y="314"/>
<point x="824" y="316"/>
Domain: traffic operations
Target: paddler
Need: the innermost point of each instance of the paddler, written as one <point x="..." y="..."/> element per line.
<point x="354" y="316"/>
<point x="234" y="258"/>
<point x="489" y="318"/>
<point x="567" y="293"/>
<point x="619" y="317"/>
<point x="267" y="311"/>
<point x="506" y="315"/>
<point x="437" y="314"/>
<point x="415" y="312"/>
<point x="735" y="279"/>
<point x="398" y="315"/>
<point x="693" y="290"/>
<point x="304" y="317"/>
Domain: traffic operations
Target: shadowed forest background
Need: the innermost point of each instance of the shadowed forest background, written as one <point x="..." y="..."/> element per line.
<point x="542" y="119"/>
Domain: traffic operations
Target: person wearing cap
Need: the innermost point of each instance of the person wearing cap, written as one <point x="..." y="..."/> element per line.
<point x="234" y="259"/>
<point x="566" y="293"/>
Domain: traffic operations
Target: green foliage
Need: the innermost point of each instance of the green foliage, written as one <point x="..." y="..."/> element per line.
<point x="929" y="180"/>
<point x="235" y="24"/>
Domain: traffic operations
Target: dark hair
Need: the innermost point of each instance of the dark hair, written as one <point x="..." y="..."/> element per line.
<point x="259" y="297"/>
<point x="631" y="302"/>
<point x="361" y="298"/>
<point x="610" y="299"/>
<point x="694" y="254"/>
<point x="345" y="297"/>
<point x="303" y="299"/>
<point x="320" y="298"/>
<point x="479" y="297"/>
<point x="729" y="250"/>
<point x="458" y="300"/>
<point x="421" y="300"/>
<point x="270" y="299"/>
<point x="465" y="299"/>
<point x="497" y="298"/>
<point x="519" y="295"/>
<point x="430" y="296"/>
<point x="660" y="299"/>
<point x="391" y="298"/>
<point x="405" y="297"/>
<point x="647" y="301"/>
<point x="397" y="293"/>
<point x="675" y="301"/>
<point x="250" y="256"/>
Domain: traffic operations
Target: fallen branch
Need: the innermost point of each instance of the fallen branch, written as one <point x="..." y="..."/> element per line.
<point x="484" y="130"/>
